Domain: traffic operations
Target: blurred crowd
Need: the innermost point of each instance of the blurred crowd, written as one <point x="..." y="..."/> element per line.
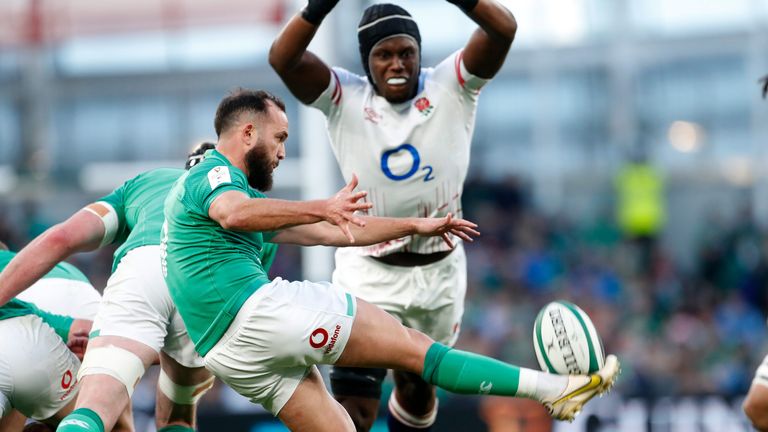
<point x="679" y="329"/>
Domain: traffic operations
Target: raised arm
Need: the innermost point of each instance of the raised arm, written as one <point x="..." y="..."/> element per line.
<point x="377" y="230"/>
<point x="234" y="210"/>
<point x="487" y="48"/>
<point x="305" y="75"/>
<point x="83" y="231"/>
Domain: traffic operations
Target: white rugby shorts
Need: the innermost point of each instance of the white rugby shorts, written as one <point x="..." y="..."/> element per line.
<point x="38" y="373"/>
<point x="280" y="332"/>
<point x="137" y="305"/>
<point x="64" y="297"/>
<point x="427" y="298"/>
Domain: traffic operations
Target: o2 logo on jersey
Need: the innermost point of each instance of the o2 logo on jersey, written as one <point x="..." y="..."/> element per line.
<point x="415" y="164"/>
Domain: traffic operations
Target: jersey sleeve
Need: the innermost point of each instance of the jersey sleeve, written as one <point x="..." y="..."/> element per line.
<point x="115" y="202"/>
<point x="454" y="73"/>
<point x="207" y="184"/>
<point x="341" y="80"/>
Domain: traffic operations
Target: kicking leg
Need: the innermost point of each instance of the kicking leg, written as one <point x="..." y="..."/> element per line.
<point x="378" y="340"/>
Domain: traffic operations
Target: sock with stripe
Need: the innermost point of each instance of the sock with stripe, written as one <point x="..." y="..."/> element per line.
<point x="81" y="419"/>
<point x="400" y="420"/>
<point x="468" y="373"/>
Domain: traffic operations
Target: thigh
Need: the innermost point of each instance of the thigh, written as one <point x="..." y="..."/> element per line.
<point x="311" y="408"/>
<point x="136" y="304"/>
<point x="379" y="340"/>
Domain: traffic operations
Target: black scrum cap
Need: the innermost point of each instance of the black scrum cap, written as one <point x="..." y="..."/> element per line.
<point x="379" y="22"/>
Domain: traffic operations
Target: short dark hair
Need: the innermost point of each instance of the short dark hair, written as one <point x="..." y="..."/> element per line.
<point x="197" y="154"/>
<point x="241" y="100"/>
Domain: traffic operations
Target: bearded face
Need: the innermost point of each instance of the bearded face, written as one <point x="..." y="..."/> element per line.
<point x="260" y="166"/>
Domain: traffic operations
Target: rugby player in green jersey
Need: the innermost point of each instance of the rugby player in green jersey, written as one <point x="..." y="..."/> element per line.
<point x="264" y="337"/>
<point x="37" y="370"/>
<point x="137" y="321"/>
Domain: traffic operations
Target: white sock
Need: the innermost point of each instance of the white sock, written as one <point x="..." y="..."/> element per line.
<point x="540" y="385"/>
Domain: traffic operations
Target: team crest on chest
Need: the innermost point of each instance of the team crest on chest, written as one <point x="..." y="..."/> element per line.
<point x="371" y="115"/>
<point x="424" y="106"/>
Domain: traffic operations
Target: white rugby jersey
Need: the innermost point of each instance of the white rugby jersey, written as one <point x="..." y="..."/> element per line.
<point x="412" y="157"/>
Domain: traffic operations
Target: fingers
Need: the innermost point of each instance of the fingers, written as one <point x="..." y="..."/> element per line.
<point x="447" y="239"/>
<point x="352" y="183"/>
<point x="355" y="220"/>
<point x="344" y="227"/>
<point x="462" y="235"/>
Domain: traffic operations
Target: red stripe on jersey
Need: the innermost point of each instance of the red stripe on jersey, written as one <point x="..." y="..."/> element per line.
<point x="336" y="97"/>
<point x="457" y="63"/>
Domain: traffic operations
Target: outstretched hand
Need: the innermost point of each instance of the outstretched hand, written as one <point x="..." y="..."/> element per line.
<point x="341" y="208"/>
<point x="446" y="226"/>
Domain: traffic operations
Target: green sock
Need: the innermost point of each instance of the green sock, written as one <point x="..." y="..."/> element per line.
<point x="468" y="373"/>
<point x="175" y="428"/>
<point x="81" y="419"/>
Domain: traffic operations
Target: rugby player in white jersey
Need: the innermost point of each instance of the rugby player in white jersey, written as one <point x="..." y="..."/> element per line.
<point x="37" y="370"/>
<point x="756" y="403"/>
<point x="406" y="131"/>
<point x="136" y="322"/>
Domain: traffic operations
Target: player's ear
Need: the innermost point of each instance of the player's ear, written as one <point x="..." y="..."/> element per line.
<point x="250" y="134"/>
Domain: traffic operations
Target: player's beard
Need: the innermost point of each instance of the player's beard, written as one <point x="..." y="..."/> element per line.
<point x="259" y="167"/>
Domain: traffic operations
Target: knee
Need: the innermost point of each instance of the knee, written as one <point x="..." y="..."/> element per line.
<point x="119" y="363"/>
<point x="756" y="410"/>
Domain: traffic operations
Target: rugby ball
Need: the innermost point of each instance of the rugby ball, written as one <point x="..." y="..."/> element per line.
<point x="565" y="340"/>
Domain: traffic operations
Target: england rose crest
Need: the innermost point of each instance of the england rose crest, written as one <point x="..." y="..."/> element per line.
<point x="424" y="106"/>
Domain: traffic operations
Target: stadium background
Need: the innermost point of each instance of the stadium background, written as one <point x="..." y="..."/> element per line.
<point x="619" y="161"/>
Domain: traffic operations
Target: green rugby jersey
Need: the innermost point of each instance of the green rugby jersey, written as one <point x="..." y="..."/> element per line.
<point x="210" y="271"/>
<point x="60" y="271"/>
<point x="139" y="207"/>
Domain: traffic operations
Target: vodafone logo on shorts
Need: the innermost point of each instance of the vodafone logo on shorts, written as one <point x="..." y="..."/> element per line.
<point x="66" y="380"/>
<point x="318" y="338"/>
